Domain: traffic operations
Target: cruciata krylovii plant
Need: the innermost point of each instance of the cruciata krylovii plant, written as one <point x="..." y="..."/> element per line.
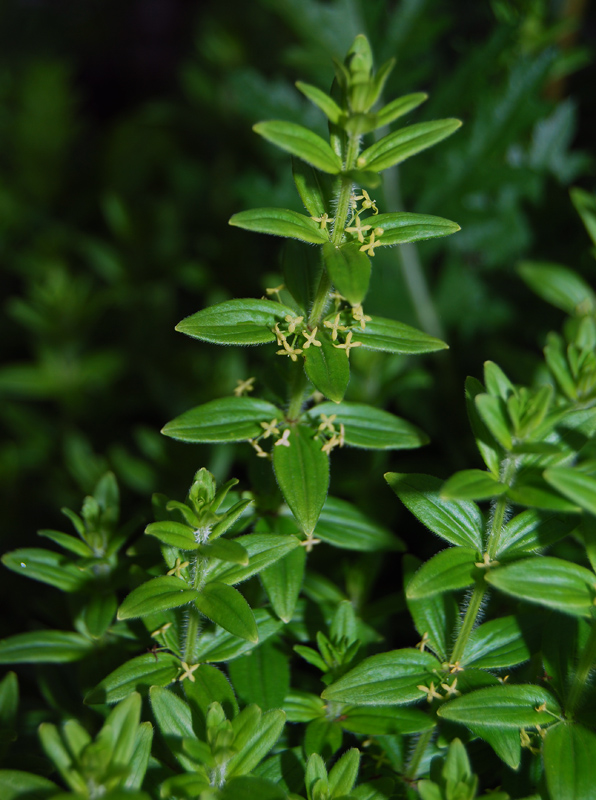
<point x="496" y="693"/>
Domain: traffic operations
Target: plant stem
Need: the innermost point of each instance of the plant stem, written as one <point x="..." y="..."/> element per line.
<point x="193" y="626"/>
<point x="508" y="469"/>
<point x="418" y="755"/>
<point x="586" y="663"/>
<point x="469" y="622"/>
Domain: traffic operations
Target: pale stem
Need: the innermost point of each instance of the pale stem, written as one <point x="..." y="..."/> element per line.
<point x="418" y="754"/>
<point x="586" y="664"/>
<point x="193" y="620"/>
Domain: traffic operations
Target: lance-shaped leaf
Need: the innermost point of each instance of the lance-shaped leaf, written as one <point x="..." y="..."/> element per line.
<point x="550" y="582"/>
<point x="235" y="322"/>
<point x="223" y="646"/>
<point x="533" y="530"/>
<point x="312" y="188"/>
<point x="257" y="744"/>
<point x="399" y="107"/>
<point x="68" y="542"/>
<point x="225" y="606"/>
<point x="174" y="534"/>
<point x="302" y="472"/>
<point x="493" y="412"/>
<point x="249" y="787"/>
<point x="301" y="142"/>
<point x="136" y="675"/>
<point x="574" y="485"/>
<point x="158" y="594"/>
<point x="396" y="337"/>
<point x="500" y="643"/>
<point x="384" y="720"/>
<point x="349" y="270"/>
<point x="344" y="773"/>
<point x="230" y="419"/>
<point x="448" y="571"/>
<point x="569" y="757"/>
<point x="44" y="647"/>
<point x="281" y="222"/>
<point x="386" y="679"/>
<point x="226" y="550"/>
<point x="263" y="677"/>
<point x="17" y="784"/>
<point x="371" y="428"/>
<point x="457" y="521"/>
<point x="504" y="741"/>
<point x="263" y="550"/>
<point x="435" y="617"/>
<point x="503" y="707"/>
<point x="327" y="105"/>
<point x="560" y="286"/>
<point x="328" y="368"/>
<point x="341" y="524"/>
<point x="283" y="582"/>
<point x="406" y="142"/>
<point x="46" y="566"/>
<point x="404" y="226"/>
<point x="472" y="484"/>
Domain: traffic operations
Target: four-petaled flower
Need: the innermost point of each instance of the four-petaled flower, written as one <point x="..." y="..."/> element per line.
<point x="359" y="229"/>
<point x="270" y="429"/>
<point x="293" y="322"/>
<point x="188" y="671"/>
<point x="178" y="566"/>
<point x="348" y="344"/>
<point x="372" y="243"/>
<point x="486" y="562"/>
<point x="450" y="689"/>
<point x="162" y="630"/>
<point x="430" y="692"/>
<point x="367" y="202"/>
<point x="359" y="315"/>
<point x="327" y="423"/>
<point x="324" y="219"/>
<point x="275" y="290"/>
<point x="335" y="326"/>
<point x="310" y="339"/>
<point x="259" y="450"/>
<point x="284" y="439"/>
<point x="309" y="543"/>
<point x="244" y="386"/>
<point x="292" y="352"/>
<point x="330" y="444"/>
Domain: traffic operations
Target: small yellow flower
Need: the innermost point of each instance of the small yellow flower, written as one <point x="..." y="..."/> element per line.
<point x="430" y="692"/>
<point x="244" y="387"/>
<point x="348" y="344"/>
<point x="359" y="229"/>
<point x="293" y="322"/>
<point x="450" y="689"/>
<point x="327" y="423"/>
<point x="330" y="444"/>
<point x="188" y="671"/>
<point x="258" y="449"/>
<point x="275" y="291"/>
<point x="423" y="642"/>
<point x="309" y="543"/>
<point x="270" y="429"/>
<point x="178" y="566"/>
<point x="486" y="563"/>
<point x="359" y="315"/>
<point x="324" y="220"/>
<point x="310" y="339"/>
<point x="161" y="631"/>
<point x="370" y="247"/>
<point x="335" y="326"/>
<point x="284" y="439"/>
<point x="367" y="202"/>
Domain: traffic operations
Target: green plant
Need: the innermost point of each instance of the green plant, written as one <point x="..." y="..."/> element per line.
<point x="504" y="703"/>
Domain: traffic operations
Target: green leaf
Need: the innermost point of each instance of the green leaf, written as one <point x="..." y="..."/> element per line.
<point x="301" y="142"/>
<point x="530" y="489"/>
<point x="328" y="368"/>
<point x="54" y="748"/>
<point x="139" y="761"/>
<point x="311" y="187"/>
<point x="224" y="646"/>
<point x="371" y="428"/>
<point x="327" y="105"/>
<point x="99" y="613"/>
<point x="502" y="707"/>
<point x="386" y="679"/>
<point x="575" y="485"/>
<point x="457" y="521"/>
<point x="399" y="107"/>
<point x="448" y="571"/>
<point x="585" y="205"/>
<point x="47" y="567"/>
<point x="158" y="594"/>
<point x="433" y="616"/>
<point x="235" y="322"/>
<point x="344" y="773"/>
<point x="403" y="226"/>
<point x="229" y="550"/>
<point x="493" y="412"/>
<point x="548" y="581"/>
<point x="136" y="675"/>
<point x="385" y="720"/>
<point x="533" y="530"/>
<point x="174" y="720"/>
<point x="283" y="581"/>
<point x="504" y="741"/>
<point x="302" y="269"/>
<point x="263" y="677"/>
<point x="498" y="643"/>
<point x="569" y="754"/>
<point x="16" y="785"/>
<point x="261" y="740"/>
<point x="210" y="686"/>
<point x="174" y="534"/>
<point x="281" y="222"/>
<point x="249" y="787"/>
<point x="489" y="448"/>
<point x="559" y="286"/>
<point x="68" y="542"/>
<point x="472" y="484"/>
<point x="44" y="647"/>
<point x="349" y="270"/>
<point x="396" y="337"/>
<point x="225" y="606"/>
<point x="303" y="706"/>
<point x="302" y="472"/>
<point x="322" y="736"/>
<point x="396" y="147"/>
<point x="263" y="549"/>
<point x="343" y="525"/>
<point x="229" y="419"/>
<point x="315" y="771"/>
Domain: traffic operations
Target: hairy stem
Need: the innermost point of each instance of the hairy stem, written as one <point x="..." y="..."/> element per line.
<point x="193" y="627"/>
<point x="586" y="664"/>
<point x="469" y="621"/>
<point x="418" y="754"/>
